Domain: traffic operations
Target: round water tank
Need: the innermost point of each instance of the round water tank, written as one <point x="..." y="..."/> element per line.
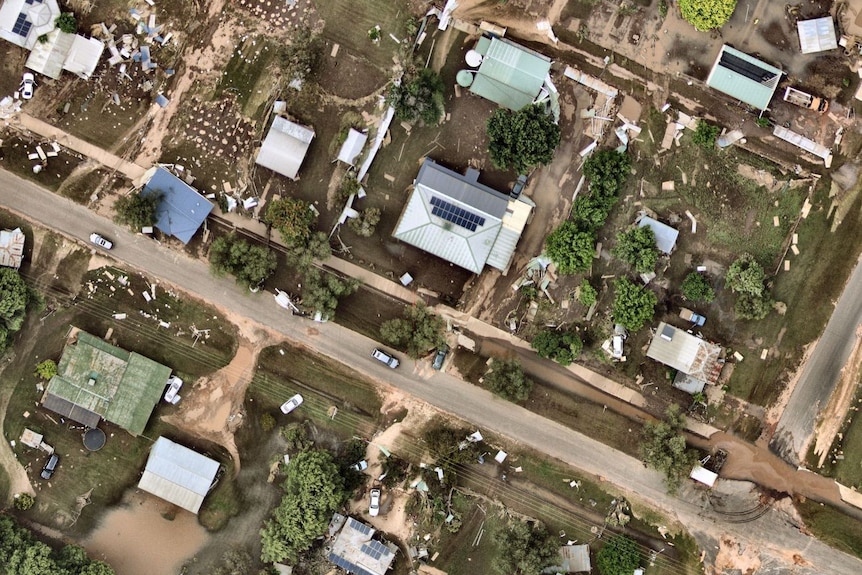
<point x="94" y="439"/>
<point x="473" y="58"/>
<point x="464" y="78"/>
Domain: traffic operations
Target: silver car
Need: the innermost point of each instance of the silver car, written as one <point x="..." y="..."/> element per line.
<point x="100" y="241"/>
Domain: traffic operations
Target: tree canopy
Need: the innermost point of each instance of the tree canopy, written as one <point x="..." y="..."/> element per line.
<point x="637" y="247"/>
<point x="525" y="548"/>
<point x="292" y="218"/>
<point x="696" y="287"/>
<point x="22" y="554"/>
<point x="570" y="248"/>
<point x="136" y="210"/>
<point x="14" y="298"/>
<point x="705" y="134"/>
<point x="522" y="140"/>
<point x="587" y="294"/>
<point x="46" y="369"/>
<point x="303" y="255"/>
<point x="66" y="23"/>
<point x="322" y="290"/>
<point x="562" y="347"/>
<point x="506" y="378"/>
<point x="746" y="278"/>
<point x="707" y="15"/>
<point x="251" y="264"/>
<point x="313" y="490"/>
<point x="444" y="441"/>
<point x="300" y="57"/>
<point x="664" y="448"/>
<point x="618" y="556"/>
<point x="418" y="331"/>
<point x="633" y="305"/>
<point x="366" y="223"/>
<point x="419" y="96"/>
<point x="606" y="171"/>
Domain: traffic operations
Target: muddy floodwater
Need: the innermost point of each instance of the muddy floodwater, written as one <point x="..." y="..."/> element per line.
<point x="137" y="539"/>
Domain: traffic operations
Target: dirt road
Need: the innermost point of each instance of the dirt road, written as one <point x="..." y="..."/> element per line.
<point x="773" y="537"/>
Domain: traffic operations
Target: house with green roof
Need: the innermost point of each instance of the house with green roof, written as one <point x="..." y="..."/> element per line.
<point x="744" y="77"/>
<point x="509" y="74"/>
<point x="96" y="380"/>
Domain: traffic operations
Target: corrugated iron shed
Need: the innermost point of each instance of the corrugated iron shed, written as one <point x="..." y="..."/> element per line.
<point x="744" y="77"/>
<point x="510" y="75"/>
<point x="285" y="147"/>
<point x="83" y="56"/>
<point x="177" y="474"/>
<point x="665" y="236"/>
<point x="181" y="210"/>
<point x="47" y="57"/>
<point x="691" y="355"/>
<point x="12" y="248"/>
<point x="817" y="35"/>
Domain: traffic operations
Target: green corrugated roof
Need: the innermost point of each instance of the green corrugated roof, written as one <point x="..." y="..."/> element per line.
<point x="126" y="386"/>
<point x="509" y="75"/>
<point x="739" y="86"/>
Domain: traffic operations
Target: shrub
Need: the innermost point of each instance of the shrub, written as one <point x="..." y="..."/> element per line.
<point x="24" y="501"/>
<point x="695" y="287"/>
<point x="705" y="134"/>
<point x="587" y="294"/>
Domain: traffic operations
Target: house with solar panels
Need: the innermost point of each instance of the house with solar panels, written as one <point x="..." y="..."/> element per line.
<point x="355" y="550"/>
<point x="23" y="21"/>
<point x="744" y="77"/>
<point x="461" y="220"/>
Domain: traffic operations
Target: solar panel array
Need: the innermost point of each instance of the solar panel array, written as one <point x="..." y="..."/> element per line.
<point x="32" y="1"/>
<point x="348" y="566"/>
<point x="458" y="216"/>
<point x="22" y="25"/>
<point x="361" y="527"/>
<point x="375" y="549"/>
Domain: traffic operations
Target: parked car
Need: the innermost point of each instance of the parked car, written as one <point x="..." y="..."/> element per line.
<point x="291" y="404"/>
<point x="519" y="186"/>
<point x="384" y="357"/>
<point x="100" y="241"/>
<point x="50" y="466"/>
<point x="374" y="506"/>
<point x="27" y="85"/>
<point x="174" y="385"/>
<point x="360" y="466"/>
<point x="440" y="357"/>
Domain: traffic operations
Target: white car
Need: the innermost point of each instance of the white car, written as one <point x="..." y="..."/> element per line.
<point x="174" y="385"/>
<point x="100" y="241"/>
<point x="291" y="404"/>
<point x="360" y="466"/>
<point x="374" y="506"/>
<point x="27" y="85"/>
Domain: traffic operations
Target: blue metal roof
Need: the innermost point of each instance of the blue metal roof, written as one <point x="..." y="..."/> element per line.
<point x="181" y="210"/>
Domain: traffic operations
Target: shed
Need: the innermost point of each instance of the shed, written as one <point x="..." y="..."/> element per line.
<point x="12" y="248"/>
<point x="509" y="74"/>
<point x="352" y="146"/>
<point x="177" y="474"/>
<point x="744" y="77"/>
<point x="665" y="236"/>
<point x="693" y="356"/>
<point x="356" y="552"/>
<point x="22" y="22"/>
<point x="576" y="558"/>
<point x="181" y="210"/>
<point x="284" y="147"/>
<point x="83" y="56"/>
<point x="703" y="475"/>
<point x="817" y="35"/>
<point x="61" y="51"/>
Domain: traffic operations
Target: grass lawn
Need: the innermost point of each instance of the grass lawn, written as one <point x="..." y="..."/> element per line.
<point x="465" y="553"/>
<point x="15" y="159"/>
<point x="831" y="526"/>
<point x="348" y="23"/>
<point x="245" y="74"/>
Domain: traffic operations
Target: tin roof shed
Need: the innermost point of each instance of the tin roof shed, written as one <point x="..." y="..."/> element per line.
<point x="665" y="236"/>
<point x="510" y="75"/>
<point x="177" y="474"/>
<point x="682" y="351"/>
<point x="817" y="35"/>
<point x="352" y="146"/>
<point x="181" y="210"/>
<point x="744" y="77"/>
<point x="285" y="147"/>
<point x="12" y="248"/>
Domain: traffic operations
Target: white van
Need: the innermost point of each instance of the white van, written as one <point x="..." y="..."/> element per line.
<point x="384" y="357"/>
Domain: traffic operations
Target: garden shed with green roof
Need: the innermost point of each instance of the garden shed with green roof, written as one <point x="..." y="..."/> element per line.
<point x="509" y="74"/>
<point x="744" y="77"/>
<point x="96" y="380"/>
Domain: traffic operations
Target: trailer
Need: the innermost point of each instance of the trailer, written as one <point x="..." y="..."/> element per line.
<point x="805" y="100"/>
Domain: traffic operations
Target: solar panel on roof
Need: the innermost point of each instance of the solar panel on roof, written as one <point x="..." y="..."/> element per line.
<point x="22" y="25"/>
<point x="361" y="527"/>
<point x="458" y="216"/>
<point x="745" y="68"/>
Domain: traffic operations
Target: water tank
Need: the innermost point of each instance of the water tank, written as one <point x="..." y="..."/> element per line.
<point x="464" y="78"/>
<point x="473" y="58"/>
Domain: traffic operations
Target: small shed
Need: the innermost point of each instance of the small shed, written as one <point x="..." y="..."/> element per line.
<point x="177" y="474"/>
<point x="576" y="558"/>
<point x="509" y="74"/>
<point x="703" y="475"/>
<point x="182" y="210"/>
<point x="744" y="77"/>
<point x="11" y="248"/>
<point x="665" y="236"/>
<point x="352" y="146"/>
<point x="817" y="35"/>
<point x="285" y="147"/>
<point x="690" y="355"/>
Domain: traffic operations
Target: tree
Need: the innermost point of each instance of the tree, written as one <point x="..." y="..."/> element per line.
<point x="522" y="140"/>
<point x="606" y="171"/>
<point x="313" y="490"/>
<point x="136" y="210"/>
<point x="292" y="218"/>
<point x="315" y="248"/>
<point x="664" y="448"/>
<point x="563" y="347"/>
<point x="745" y="275"/>
<point x="525" y="549"/>
<point x="250" y="264"/>
<point x="587" y="294"/>
<point x="506" y="378"/>
<point x="322" y="290"/>
<point x="707" y="15"/>
<point x="366" y="223"/>
<point x="445" y="442"/>
<point x="349" y="186"/>
<point x="619" y="556"/>
<point x="418" y="96"/>
<point x="300" y="57"/>
<point x="633" y="305"/>
<point x="35" y="559"/>
<point x="418" y="331"/>
<point x="637" y="247"/>
<point x="24" y="501"/>
<point x="14" y="298"/>
<point x="46" y="369"/>
<point x="695" y="287"/>
<point x="705" y="134"/>
<point x="66" y="23"/>
<point x="753" y="307"/>
<point x="570" y="248"/>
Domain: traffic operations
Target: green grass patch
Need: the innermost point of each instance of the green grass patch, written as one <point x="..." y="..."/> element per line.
<point x="80" y="189"/>
<point x="5" y="486"/>
<point x="458" y="555"/>
<point x="391" y="16"/>
<point x="831" y="526"/>
<point x="15" y="159"/>
<point x="222" y="503"/>
<point x="246" y="70"/>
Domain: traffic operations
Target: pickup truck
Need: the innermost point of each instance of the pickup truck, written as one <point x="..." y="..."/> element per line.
<point x="694" y="318"/>
<point x="805" y="100"/>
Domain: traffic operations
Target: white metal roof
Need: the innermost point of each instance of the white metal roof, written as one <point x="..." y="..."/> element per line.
<point x="285" y="147"/>
<point x="801" y="141"/>
<point x="23" y="21"/>
<point x="517" y="214"/>
<point x="665" y="236"/>
<point x="352" y="146"/>
<point x="84" y="56"/>
<point x="177" y="474"/>
<point x="685" y="352"/>
<point x="47" y="57"/>
<point x="817" y="35"/>
<point x="703" y="475"/>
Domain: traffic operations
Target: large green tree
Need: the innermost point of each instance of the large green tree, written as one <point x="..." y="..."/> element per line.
<point x="292" y="218"/>
<point x="705" y="134"/>
<point x="570" y="248"/>
<point x="562" y="347"/>
<point x="322" y="290"/>
<point x="618" y="556"/>
<point x="250" y="263"/>
<point x="633" y="305"/>
<point x="522" y="140"/>
<point x="418" y="331"/>
<point x="665" y="450"/>
<point x="746" y="278"/>
<point x="418" y="96"/>
<point x="696" y="287"/>
<point x="606" y="171"/>
<point x="313" y="491"/>
<point x="506" y="378"/>
<point x="525" y="548"/>
<point x="14" y="297"/>
<point x="707" y="15"/>
<point x="137" y="210"/>
<point x="315" y="248"/>
<point x="637" y="247"/>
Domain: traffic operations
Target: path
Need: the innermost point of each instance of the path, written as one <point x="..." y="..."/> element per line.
<point x="772" y="537"/>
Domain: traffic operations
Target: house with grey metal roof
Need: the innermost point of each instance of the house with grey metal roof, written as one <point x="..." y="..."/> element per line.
<point x="508" y="73"/>
<point x="22" y="22"/>
<point x="178" y="474"/>
<point x="816" y="35"/>
<point x="744" y="77"/>
<point x="459" y="219"/>
<point x="355" y="550"/>
<point x="698" y="361"/>
<point x="181" y="209"/>
<point x="665" y="236"/>
<point x="285" y="147"/>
